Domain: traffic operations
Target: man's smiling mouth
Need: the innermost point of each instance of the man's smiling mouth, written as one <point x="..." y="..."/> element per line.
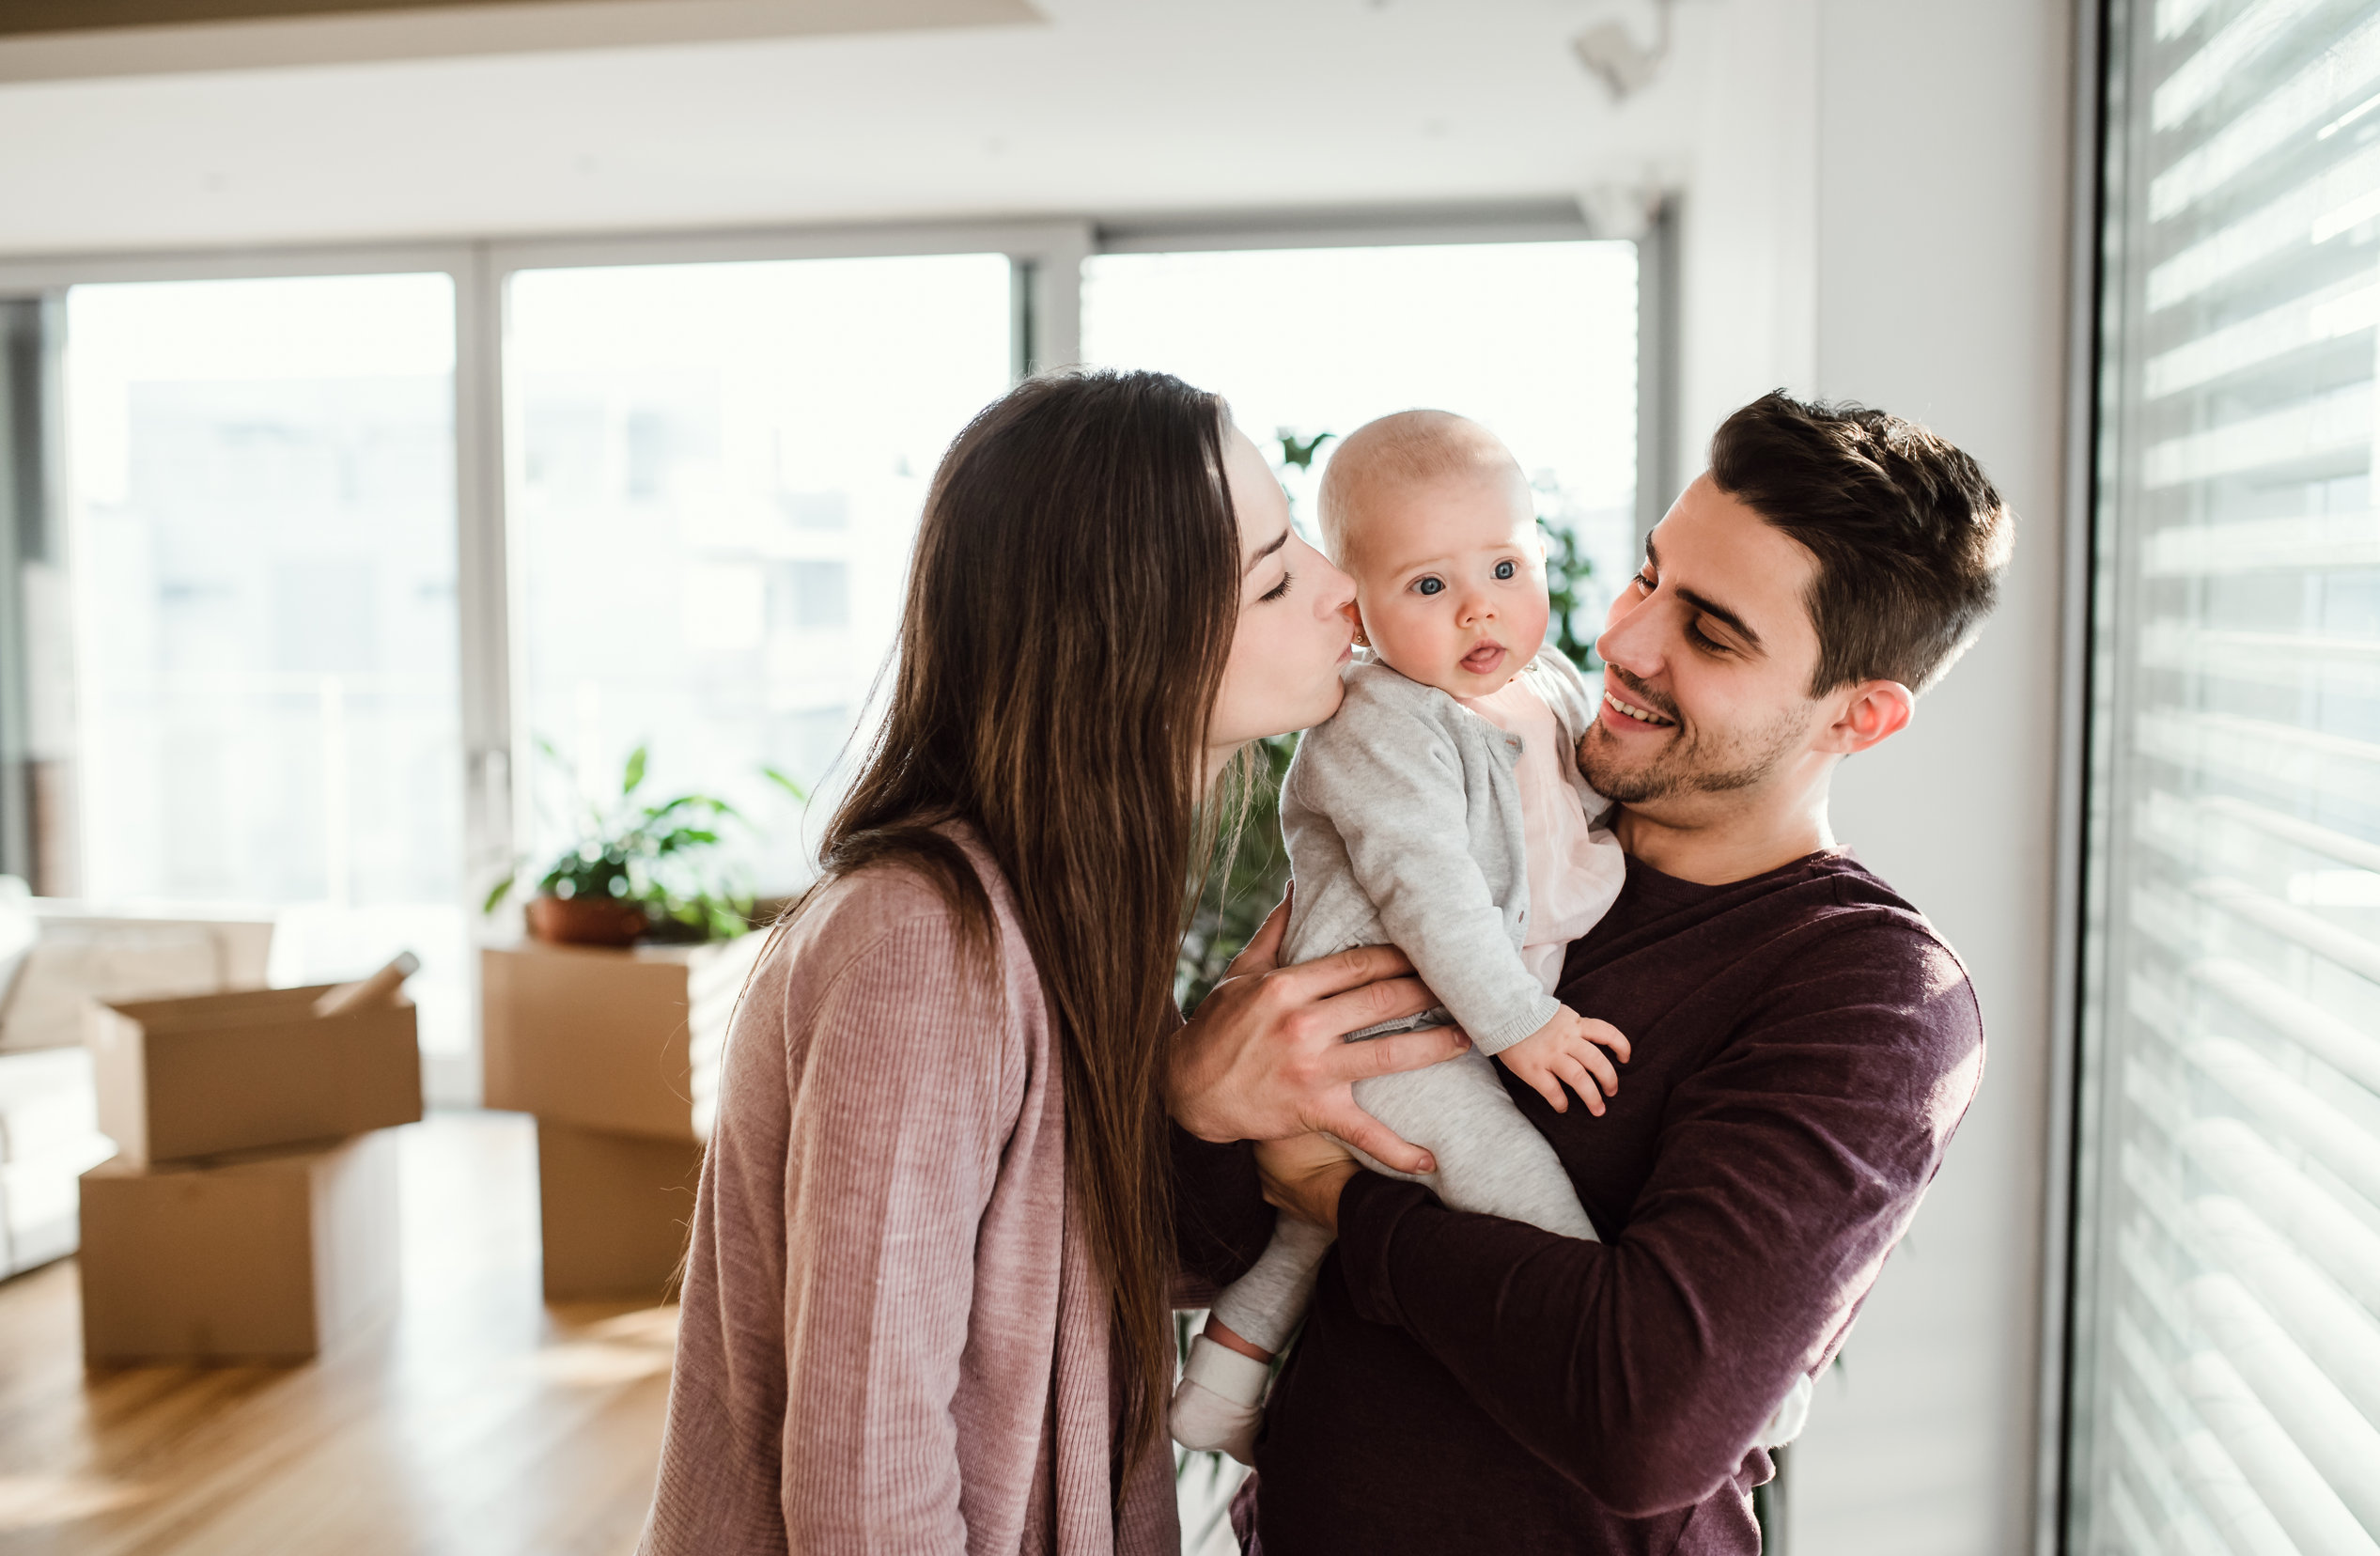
<point x="1641" y="715"/>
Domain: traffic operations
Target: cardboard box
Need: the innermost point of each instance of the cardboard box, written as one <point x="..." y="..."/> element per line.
<point x="614" y="1210"/>
<point x="265" y="1256"/>
<point x="199" y="1077"/>
<point x="623" y="1041"/>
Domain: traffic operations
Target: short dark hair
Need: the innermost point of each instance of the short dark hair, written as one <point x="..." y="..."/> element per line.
<point x="1909" y="534"/>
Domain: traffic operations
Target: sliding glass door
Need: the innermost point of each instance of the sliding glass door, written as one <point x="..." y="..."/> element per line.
<point x="262" y="542"/>
<point x="2227" y="1392"/>
<point x="717" y="471"/>
<point x="372" y="580"/>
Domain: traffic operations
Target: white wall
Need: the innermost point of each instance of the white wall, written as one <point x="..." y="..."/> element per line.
<point x="1941" y="173"/>
<point x="1112" y="107"/>
<point x="1747" y="262"/>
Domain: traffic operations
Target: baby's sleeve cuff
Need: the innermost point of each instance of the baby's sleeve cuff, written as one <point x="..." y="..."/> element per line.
<point x="1506" y="1030"/>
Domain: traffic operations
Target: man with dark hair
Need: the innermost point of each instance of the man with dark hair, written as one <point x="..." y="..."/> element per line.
<point x="1908" y="535"/>
<point x="1805" y="1044"/>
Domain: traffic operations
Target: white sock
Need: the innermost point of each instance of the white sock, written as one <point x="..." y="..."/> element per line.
<point x="1219" y="1401"/>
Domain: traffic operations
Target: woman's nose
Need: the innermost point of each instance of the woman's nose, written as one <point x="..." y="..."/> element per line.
<point x="1334" y="591"/>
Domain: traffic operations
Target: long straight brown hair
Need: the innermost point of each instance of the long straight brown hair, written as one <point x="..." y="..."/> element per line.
<point x="1070" y="607"/>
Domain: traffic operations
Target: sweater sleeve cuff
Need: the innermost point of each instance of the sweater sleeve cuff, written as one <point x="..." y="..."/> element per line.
<point x="1370" y="1208"/>
<point x="1511" y="1029"/>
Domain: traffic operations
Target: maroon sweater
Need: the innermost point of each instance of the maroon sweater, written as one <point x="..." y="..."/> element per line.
<point x="1805" y="1044"/>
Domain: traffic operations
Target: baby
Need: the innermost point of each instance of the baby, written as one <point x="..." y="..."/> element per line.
<point x="1442" y="811"/>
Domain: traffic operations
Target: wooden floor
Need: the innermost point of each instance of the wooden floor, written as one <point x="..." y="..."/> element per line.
<point x="477" y="1421"/>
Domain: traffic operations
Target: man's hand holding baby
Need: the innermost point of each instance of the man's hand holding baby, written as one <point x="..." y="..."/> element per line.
<point x="1568" y="1051"/>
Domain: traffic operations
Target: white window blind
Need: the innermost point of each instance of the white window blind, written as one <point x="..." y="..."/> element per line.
<point x="2227" y="1394"/>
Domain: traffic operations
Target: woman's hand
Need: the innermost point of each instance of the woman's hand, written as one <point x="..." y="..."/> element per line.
<point x="1303" y="1177"/>
<point x="1265" y="1057"/>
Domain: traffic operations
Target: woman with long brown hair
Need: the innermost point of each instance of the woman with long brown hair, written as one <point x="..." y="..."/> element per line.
<point x="926" y="1303"/>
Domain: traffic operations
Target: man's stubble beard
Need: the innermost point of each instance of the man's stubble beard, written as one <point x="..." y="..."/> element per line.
<point x="1695" y="766"/>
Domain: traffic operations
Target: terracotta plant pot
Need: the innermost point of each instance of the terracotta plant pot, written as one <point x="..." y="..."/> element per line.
<point x="586" y="921"/>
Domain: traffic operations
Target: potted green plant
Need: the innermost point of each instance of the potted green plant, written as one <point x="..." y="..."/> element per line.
<point x="640" y="870"/>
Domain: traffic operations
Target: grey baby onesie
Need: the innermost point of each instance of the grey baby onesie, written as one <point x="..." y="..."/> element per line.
<point x="1404" y="827"/>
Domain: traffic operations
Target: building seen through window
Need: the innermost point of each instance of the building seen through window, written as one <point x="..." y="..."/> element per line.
<point x="1537" y="341"/>
<point x="719" y="473"/>
<point x="262" y="545"/>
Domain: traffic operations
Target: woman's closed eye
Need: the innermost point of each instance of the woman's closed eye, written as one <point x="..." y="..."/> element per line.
<point x="1281" y="589"/>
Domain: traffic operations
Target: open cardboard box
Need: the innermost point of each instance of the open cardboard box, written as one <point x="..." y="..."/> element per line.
<point x="267" y="1255"/>
<point x="213" y="1073"/>
<point x="627" y="1042"/>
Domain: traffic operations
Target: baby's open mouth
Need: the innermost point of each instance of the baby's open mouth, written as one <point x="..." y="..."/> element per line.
<point x="1483" y="659"/>
<point x="1628" y="710"/>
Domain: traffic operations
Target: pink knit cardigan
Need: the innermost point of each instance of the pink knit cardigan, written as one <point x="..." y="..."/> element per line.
<point x="894" y="1337"/>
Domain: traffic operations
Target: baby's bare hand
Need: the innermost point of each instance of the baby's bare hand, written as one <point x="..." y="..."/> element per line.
<point x="1569" y="1051"/>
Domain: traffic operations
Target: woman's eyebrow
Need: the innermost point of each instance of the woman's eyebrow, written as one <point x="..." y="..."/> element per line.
<point x="1277" y="542"/>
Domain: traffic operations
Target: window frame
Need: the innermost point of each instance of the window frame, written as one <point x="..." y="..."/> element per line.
<point x="1048" y="256"/>
<point x="1045" y="321"/>
<point x="2077" y="891"/>
<point x="445" y="1078"/>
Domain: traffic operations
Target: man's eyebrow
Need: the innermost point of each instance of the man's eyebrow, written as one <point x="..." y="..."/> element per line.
<point x="1708" y="606"/>
<point x="1733" y="623"/>
<point x="1277" y="542"/>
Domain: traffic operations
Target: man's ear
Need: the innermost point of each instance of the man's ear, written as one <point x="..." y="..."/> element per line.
<point x="1872" y="711"/>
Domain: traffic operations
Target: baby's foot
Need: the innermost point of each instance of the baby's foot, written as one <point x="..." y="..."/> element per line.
<point x="1790" y="1416"/>
<point x="1219" y="1401"/>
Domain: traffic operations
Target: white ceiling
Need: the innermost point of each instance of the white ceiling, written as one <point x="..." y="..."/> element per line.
<point x="1109" y="107"/>
<point x="328" y="32"/>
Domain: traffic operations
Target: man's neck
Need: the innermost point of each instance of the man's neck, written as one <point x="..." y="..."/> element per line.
<point x="1712" y="839"/>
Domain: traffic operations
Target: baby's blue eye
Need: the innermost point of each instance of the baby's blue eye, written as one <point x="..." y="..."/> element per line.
<point x="1503" y="569"/>
<point x="1430" y="586"/>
